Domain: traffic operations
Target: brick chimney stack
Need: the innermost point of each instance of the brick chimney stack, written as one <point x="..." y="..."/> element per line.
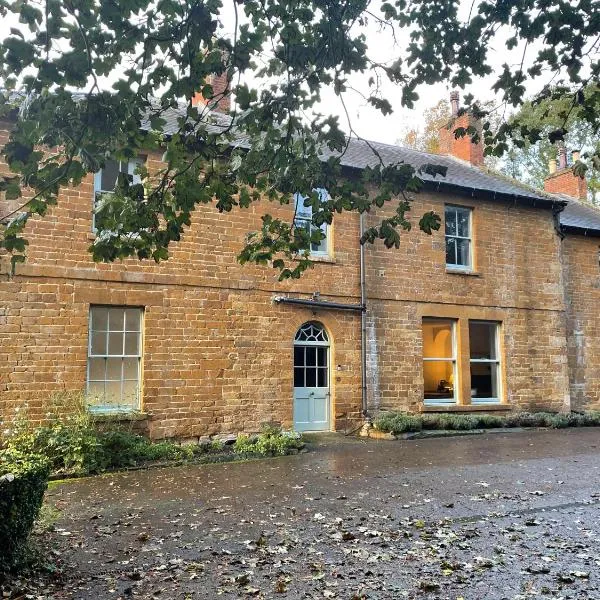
<point x="221" y="99"/>
<point x="462" y="148"/>
<point x="562" y="180"/>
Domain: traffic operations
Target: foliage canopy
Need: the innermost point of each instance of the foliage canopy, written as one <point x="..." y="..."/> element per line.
<point x="134" y="62"/>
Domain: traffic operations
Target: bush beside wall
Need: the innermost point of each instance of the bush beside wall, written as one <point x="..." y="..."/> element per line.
<point x="23" y="481"/>
<point x="397" y="423"/>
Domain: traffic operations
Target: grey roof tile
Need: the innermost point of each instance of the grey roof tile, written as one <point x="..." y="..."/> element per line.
<point x="580" y="216"/>
<point x="361" y="154"/>
<point x="460" y="174"/>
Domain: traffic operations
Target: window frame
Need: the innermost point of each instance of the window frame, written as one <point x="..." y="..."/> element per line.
<point x="120" y="407"/>
<point x="496" y="361"/>
<point x="456" y="266"/>
<point x="132" y="166"/>
<point x="453" y="360"/>
<point x="303" y="214"/>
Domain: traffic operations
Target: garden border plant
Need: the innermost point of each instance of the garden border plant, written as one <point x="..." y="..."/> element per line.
<point x="398" y="423"/>
<point x="76" y="443"/>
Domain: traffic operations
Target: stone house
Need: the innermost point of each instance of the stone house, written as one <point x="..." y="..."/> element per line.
<point x="497" y="311"/>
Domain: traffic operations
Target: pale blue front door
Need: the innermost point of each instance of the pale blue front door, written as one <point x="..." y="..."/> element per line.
<point x="311" y="379"/>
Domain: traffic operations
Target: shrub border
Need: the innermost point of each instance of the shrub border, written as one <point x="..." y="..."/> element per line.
<point x="399" y="423"/>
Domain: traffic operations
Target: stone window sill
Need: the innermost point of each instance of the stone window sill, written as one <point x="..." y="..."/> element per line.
<point x="323" y="259"/>
<point x="120" y="416"/>
<point x="467" y="408"/>
<point x="468" y="272"/>
<point x="330" y="260"/>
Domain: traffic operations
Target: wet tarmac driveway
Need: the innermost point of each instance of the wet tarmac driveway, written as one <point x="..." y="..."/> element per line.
<point x="480" y="517"/>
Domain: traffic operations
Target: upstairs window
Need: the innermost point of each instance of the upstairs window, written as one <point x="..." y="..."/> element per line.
<point x="105" y="180"/>
<point x="459" y="244"/>
<point x="303" y="220"/>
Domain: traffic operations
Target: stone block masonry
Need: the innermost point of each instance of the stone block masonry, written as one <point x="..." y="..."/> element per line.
<point x="218" y="352"/>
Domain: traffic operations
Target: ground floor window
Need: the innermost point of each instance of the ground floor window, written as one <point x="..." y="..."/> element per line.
<point x="114" y="358"/>
<point x="485" y="362"/>
<point x="461" y="369"/>
<point x="439" y="361"/>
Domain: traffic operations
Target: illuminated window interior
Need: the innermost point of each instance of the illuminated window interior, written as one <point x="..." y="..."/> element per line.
<point x="439" y="361"/>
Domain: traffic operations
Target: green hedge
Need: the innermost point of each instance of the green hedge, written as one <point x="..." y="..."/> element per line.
<point x="398" y="423"/>
<point x="23" y="481"/>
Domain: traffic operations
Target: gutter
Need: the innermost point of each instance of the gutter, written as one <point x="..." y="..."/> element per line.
<point x="585" y="231"/>
<point x="319" y="304"/>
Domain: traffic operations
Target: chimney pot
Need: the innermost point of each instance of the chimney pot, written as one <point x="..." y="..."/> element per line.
<point x="462" y="147"/>
<point x="562" y="157"/>
<point x="575" y="155"/>
<point x="552" y="166"/>
<point x="454" y="102"/>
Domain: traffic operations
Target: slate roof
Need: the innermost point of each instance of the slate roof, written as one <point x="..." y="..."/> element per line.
<point x="362" y="153"/>
<point x="460" y="176"/>
<point x="580" y="218"/>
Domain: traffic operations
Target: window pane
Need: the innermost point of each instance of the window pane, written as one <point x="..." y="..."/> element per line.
<point x="130" y="368"/>
<point x="482" y="340"/>
<point x="132" y="343"/>
<point x="463" y="252"/>
<point x="322" y="378"/>
<point x="438" y="379"/>
<point x="437" y="339"/>
<point x="98" y="345"/>
<point x="132" y="319"/>
<point x="115" y="343"/>
<point x="99" y="318"/>
<point x="311" y="377"/>
<point x="450" y="251"/>
<point x="113" y="369"/>
<point x="302" y="224"/>
<point x="116" y="318"/>
<point x="109" y="176"/>
<point x="320" y="246"/>
<point x="113" y="392"/>
<point x="95" y="392"/>
<point x="130" y="393"/>
<point x="322" y="357"/>
<point x="311" y="357"/>
<point x="450" y="218"/>
<point x="484" y="381"/>
<point x="299" y="356"/>
<point x="464" y="217"/>
<point x="298" y="377"/>
<point x="301" y="210"/>
<point x="97" y="369"/>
